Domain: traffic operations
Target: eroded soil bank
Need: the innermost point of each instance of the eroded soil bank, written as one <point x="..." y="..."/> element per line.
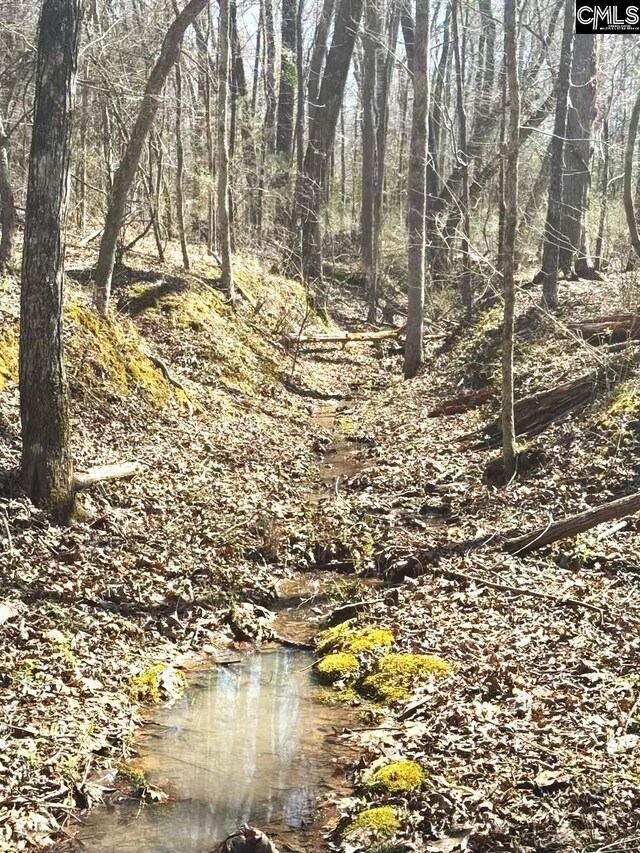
<point x="525" y="739"/>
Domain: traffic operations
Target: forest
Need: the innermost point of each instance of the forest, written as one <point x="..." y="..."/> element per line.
<point x="319" y="426"/>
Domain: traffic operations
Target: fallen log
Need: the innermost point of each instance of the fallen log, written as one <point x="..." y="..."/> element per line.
<point x="533" y="414"/>
<point x="104" y="473"/>
<point x="464" y="402"/>
<point x="574" y="524"/>
<point x="609" y="328"/>
<point x="342" y="338"/>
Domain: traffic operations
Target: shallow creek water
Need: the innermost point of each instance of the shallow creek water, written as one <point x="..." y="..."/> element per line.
<point x="249" y="742"/>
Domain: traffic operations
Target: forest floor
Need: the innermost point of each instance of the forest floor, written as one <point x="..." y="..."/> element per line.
<point x="530" y="738"/>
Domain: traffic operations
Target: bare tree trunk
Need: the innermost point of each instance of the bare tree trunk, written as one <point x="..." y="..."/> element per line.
<point x="224" y="227"/>
<point x="628" y="176"/>
<point x="552" y="233"/>
<point x="84" y="156"/>
<point x="318" y="56"/>
<point x="574" y="258"/>
<point x="186" y="263"/>
<point x="509" y="448"/>
<point x="288" y="75"/>
<point x="124" y="176"/>
<point x="47" y="465"/>
<point x="599" y="261"/>
<point x="7" y="203"/>
<point x="416" y="181"/>
<point x="270" y="78"/>
<point x="385" y="77"/>
<point x="465" y="278"/>
<point x="322" y="133"/>
<point x="371" y="38"/>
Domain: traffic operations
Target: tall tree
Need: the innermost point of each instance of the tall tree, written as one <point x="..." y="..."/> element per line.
<point x="224" y="225"/>
<point x="288" y="77"/>
<point x="552" y="233"/>
<point x="574" y="258"/>
<point x="371" y="38"/>
<point x="322" y="133"/>
<point x="416" y="186"/>
<point x="186" y="262"/>
<point x="125" y="173"/>
<point x="47" y="466"/>
<point x="509" y="449"/>
<point x="7" y="202"/>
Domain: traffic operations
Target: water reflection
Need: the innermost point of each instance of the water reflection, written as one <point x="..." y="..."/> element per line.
<point x="248" y="746"/>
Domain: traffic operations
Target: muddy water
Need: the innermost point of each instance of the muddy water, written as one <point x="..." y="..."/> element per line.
<point x="250" y="743"/>
<point x="340" y="458"/>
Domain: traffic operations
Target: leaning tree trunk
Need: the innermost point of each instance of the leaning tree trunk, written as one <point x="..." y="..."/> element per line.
<point x="628" y="176"/>
<point x="47" y="465"/>
<point x="7" y="203"/>
<point x="416" y="193"/>
<point x="125" y="173"/>
<point x="552" y="234"/>
<point x="574" y="260"/>
<point x="509" y="449"/>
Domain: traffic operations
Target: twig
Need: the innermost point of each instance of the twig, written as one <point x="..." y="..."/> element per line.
<point x="518" y="590"/>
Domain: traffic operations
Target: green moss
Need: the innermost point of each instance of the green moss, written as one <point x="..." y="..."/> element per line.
<point x="626" y="401"/>
<point x="110" y="352"/>
<point x="8" y="356"/>
<point x="348" y="638"/>
<point x="145" y="687"/>
<point x="338" y="666"/>
<point x="132" y="777"/>
<point x="396" y="777"/>
<point x="379" y="821"/>
<point x="395" y="675"/>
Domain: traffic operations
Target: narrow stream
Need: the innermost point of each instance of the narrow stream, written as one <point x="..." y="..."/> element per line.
<point x="249" y="742"/>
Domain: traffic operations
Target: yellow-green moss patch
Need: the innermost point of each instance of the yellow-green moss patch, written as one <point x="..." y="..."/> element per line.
<point x="381" y="821"/>
<point x="397" y="776"/>
<point x="338" y="666"/>
<point x="395" y="675"/>
<point x="349" y="638"/>
<point x="110" y="351"/>
<point x="8" y="356"/>
<point x="145" y="687"/>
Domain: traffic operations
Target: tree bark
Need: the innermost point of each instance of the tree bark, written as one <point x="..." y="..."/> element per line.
<point x="574" y="524"/>
<point x="371" y="38"/>
<point x="552" y="233"/>
<point x="322" y="133"/>
<point x="7" y="203"/>
<point x="186" y="262"/>
<point x="47" y="465"/>
<point x="416" y="186"/>
<point x="632" y="222"/>
<point x="224" y="225"/>
<point x="288" y="76"/>
<point x="574" y="260"/>
<point x="169" y="54"/>
<point x="509" y="447"/>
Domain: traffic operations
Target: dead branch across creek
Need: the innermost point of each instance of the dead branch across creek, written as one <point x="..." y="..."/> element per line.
<point x="341" y="338"/>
